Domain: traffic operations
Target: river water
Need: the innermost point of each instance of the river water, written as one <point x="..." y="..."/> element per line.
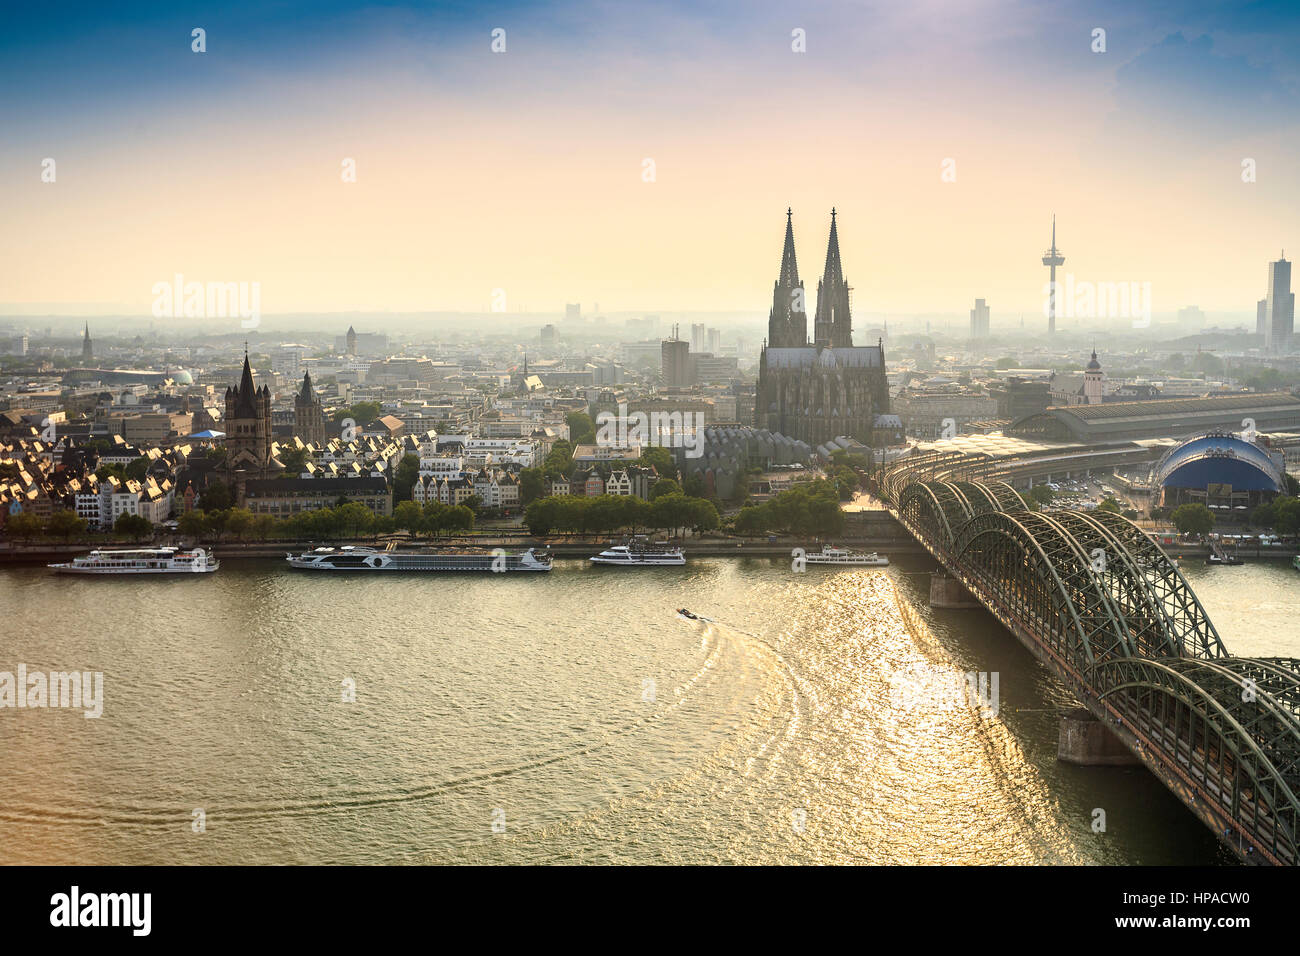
<point x="569" y="717"/>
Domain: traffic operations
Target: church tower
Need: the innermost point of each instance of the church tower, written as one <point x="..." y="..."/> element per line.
<point x="248" y="434"/>
<point x="352" y="341"/>
<point x="787" y="324"/>
<point x="833" y="326"/>
<point x="308" y="416"/>
<point x="1092" y="379"/>
<point x="87" y="353"/>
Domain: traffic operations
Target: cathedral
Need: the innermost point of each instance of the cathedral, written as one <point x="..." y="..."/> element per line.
<point x="308" y="416"/>
<point x="827" y="388"/>
<point x="248" y="435"/>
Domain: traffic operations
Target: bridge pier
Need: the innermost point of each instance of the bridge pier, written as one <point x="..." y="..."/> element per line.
<point x="949" y="592"/>
<point x="1086" y="741"/>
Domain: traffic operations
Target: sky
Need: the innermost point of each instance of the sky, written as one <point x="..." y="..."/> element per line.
<point x="519" y="179"/>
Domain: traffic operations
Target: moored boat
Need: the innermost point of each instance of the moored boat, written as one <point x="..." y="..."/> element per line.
<point x="348" y="558"/>
<point x="141" y="561"/>
<point x="642" y="553"/>
<point x="829" y="555"/>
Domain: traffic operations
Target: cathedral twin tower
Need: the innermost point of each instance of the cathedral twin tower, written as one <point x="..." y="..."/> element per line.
<point x="787" y="327"/>
<point x="828" y="388"/>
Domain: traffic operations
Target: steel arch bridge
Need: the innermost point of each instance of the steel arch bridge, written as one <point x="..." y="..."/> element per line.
<point x="1103" y="607"/>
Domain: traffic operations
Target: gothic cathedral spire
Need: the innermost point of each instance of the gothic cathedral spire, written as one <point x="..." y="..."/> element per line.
<point x="787" y="324"/>
<point x="833" y="325"/>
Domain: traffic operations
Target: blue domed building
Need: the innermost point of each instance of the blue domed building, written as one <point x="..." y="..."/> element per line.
<point x="1225" y="472"/>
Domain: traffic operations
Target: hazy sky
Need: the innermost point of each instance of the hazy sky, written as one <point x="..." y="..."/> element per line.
<point x="523" y="170"/>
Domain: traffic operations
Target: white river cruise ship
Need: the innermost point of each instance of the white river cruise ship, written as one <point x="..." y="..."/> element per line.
<point x="348" y="558"/>
<point x="141" y="561"/>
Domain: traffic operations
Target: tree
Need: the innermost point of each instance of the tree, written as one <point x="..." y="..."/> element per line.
<point x="193" y="524"/>
<point x="104" y="472"/>
<point x="362" y="413"/>
<point x="474" y="503"/>
<point x="24" y="525"/>
<point x="133" y="526"/>
<point x="1041" y="495"/>
<point x="530" y="485"/>
<point x="660" y="459"/>
<point x="1286" y="516"/>
<point x="215" y="496"/>
<point x="410" y="516"/>
<point x="559" y="461"/>
<point x="582" y="430"/>
<point x="1192" y="519"/>
<point x="405" y="475"/>
<point x="1109" y="504"/>
<point x="66" y="524"/>
<point x="239" y="521"/>
<point x="138" y="469"/>
<point x="294" y="460"/>
<point x="665" y="486"/>
<point x="1263" y="516"/>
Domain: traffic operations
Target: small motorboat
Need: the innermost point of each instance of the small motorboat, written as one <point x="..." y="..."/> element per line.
<point x="685" y="613"/>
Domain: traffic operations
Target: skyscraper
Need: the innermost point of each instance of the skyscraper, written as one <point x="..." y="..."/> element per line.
<point x="979" y="320"/>
<point x="1052" y="258"/>
<point x="675" y="365"/>
<point x="1279" y="317"/>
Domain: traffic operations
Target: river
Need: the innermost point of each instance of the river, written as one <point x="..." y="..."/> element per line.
<point x="569" y="717"/>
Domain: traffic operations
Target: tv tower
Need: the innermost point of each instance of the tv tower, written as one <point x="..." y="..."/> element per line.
<point x="1052" y="258"/>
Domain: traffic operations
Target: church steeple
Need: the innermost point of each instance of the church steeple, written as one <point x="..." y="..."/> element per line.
<point x="789" y="266"/>
<point x="833" y="325"/>
<point x="787" y="323"/>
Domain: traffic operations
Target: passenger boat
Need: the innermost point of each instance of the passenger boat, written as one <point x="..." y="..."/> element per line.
<point x="141" y="561"/>
<point x="642" y="553"/>
<point x="349" y="558"/>
<point x="829" y="555"/>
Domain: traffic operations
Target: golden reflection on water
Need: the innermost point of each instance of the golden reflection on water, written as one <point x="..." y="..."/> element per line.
<point x="578" y="711"/>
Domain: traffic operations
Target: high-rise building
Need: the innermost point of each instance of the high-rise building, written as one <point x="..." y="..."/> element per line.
<point x="1261" y="318"/>
<point x="675" y="365"/>
<point x="1052" y="258"/>
<point x="1279" y="310"/>
<point x="979" y="320"/>
<point x="697" y="336"/>
<point x="831" y="388"/>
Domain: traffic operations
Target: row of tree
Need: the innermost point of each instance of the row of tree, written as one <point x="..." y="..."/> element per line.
<point x="348" y="520"/>
<point x="811" y="507"/>
<point x="603" y="513"/>
<point x="68" y="524"/>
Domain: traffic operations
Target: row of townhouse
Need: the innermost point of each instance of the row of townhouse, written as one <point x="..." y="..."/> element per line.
<point x="631" y="481"/>
<point x="494" y="489"/>
<point x="111" y="498"/>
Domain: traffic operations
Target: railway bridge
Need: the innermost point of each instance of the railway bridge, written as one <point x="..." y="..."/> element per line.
<point x="1106" y="610"/>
